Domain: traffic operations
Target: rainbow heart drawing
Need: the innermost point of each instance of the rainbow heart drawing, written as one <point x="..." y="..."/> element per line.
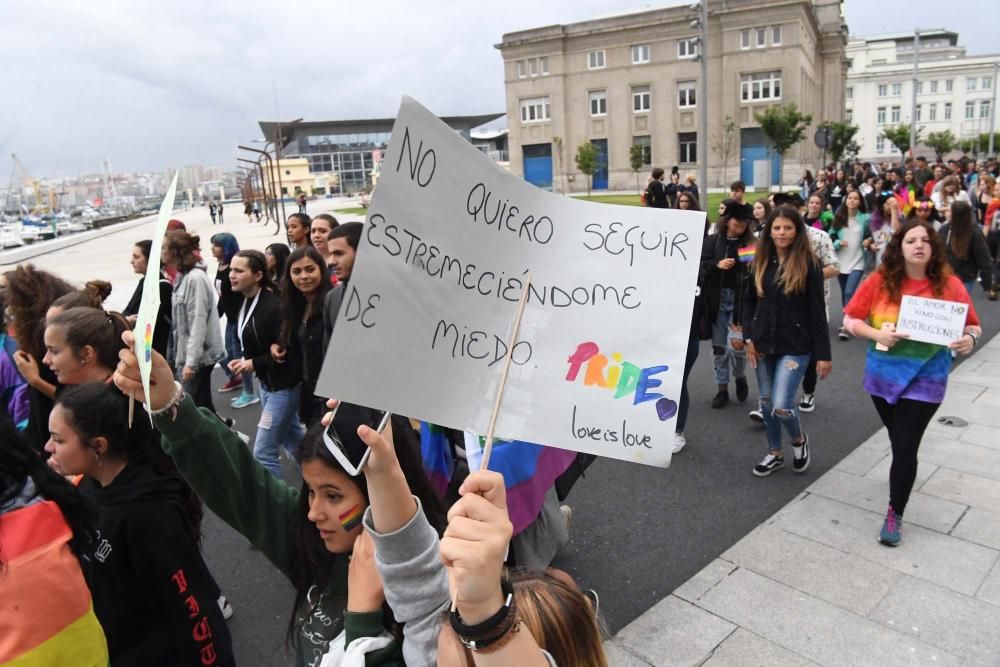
<point x="147" y="345"/>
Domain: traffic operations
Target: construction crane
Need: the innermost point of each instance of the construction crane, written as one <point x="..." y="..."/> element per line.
<point x="20" y="179"/>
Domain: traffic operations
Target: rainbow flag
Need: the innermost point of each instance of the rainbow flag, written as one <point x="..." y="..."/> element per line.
<point x="529" y="470"/>
<point x="46" y="612"/>
<point x="746" y="254"/>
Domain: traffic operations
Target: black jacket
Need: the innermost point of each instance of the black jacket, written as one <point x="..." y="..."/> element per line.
<point x="261" y="331"/>
<point x="164" y="316"/>
<point x="656" y="195"/>
<point x="977" y="259"/>
<point x="778" y="323"/>
<point x="714" y="249"/>
<point x="152" y="592"/>
<point x="229" y="301"/>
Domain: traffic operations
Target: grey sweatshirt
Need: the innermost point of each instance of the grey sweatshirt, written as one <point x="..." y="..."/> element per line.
<point x="415" y="582"/>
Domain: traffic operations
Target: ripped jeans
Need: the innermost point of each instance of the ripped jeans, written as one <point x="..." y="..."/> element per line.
<point x="778" y="376"/>
<point x="279" y="426"/>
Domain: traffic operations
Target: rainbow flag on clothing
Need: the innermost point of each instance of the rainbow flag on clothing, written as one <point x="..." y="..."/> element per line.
<point x="529" y="470"/>
<point x="46" y="612"/>
<point x="746" y="254"/>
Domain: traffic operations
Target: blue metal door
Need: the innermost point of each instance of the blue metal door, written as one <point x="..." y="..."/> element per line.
<point x="601" y="175"/>
<point x="538" y="165"/>
<point x="749" y="155"/>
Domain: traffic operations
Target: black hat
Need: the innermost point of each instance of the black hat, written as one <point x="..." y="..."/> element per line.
<point x="734" y="209"/>
<point x="790" y="198"/>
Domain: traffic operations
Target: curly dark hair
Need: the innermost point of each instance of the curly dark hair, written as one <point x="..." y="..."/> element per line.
<point x="893" y="267"/>
<point x="30" y="292"/>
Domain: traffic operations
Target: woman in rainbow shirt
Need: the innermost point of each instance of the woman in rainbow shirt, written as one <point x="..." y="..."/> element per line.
<point x="906" y="379"/>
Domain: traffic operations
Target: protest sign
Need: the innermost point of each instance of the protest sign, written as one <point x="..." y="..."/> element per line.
<point x="149" y="307"/>
<point x="450" y="236"/>
<point x="932" y="320"/>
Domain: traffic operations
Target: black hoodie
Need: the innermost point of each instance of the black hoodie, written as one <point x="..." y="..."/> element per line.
<point x="152" y="592"/>
<point x="263" y="329"/>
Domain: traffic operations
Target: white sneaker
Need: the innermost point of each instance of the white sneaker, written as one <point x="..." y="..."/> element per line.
<point x="679" y="442"/>
<point x="808" y="403"/>
<point x="225" y="607"/>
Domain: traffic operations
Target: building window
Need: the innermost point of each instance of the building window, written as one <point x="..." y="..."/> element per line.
<point x="987" y="83"/>
<point x="934" y="85"/>
<point x="970" y="83"/>
<point x="686" y="94"/>
<point x="850" y="92"/>
<point x="535" y="109"/>
<point x="595" y="59"/>
<point x="880" y="118"/>
<point x="947" y="110"/>
<point x="932" y="112"/>
<point x="647" y="149"/>
<point x="984" y="109"/>
<point x="920" y="112"/>
<point x="849" y="115"/>
<point x="640" y="54"/>
<point x="687" y="48"/>
<point x="543" y="64"/>
<point x="761" y="38"/>
<point x="687" y="143"/>
<point x="521" y="70"/>
<point x="970" y="110"/>
<point x="599" y="103"/>
<point x="883" y="90"/>
<point x="920" y="87"/>
<point x="761" y="86"/>
<point x="776" y="35"/>
<point x="949" y="84"/>
<point x="897" y="89"/>
<point x="880" y="144"/>
<point x="894" y="115"/>
<point x="745" y="39"/>
<point x="533" y="67"/>
<point x="641" y="99"/>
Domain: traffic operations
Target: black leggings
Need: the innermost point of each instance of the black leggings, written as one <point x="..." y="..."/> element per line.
<point x="906" y="420"/>
<point x="199" y="387"/>
<point x="810" y="378"/>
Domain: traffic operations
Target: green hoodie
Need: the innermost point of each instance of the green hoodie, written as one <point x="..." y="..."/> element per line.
<point x="263" y="509"/>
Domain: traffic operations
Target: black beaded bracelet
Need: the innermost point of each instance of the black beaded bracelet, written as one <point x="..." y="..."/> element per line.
<point x="483" y="629"/>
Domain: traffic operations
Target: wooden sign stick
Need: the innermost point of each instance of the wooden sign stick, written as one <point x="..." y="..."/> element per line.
<point x="131" y="407"/>
<point x="488" y="445"/>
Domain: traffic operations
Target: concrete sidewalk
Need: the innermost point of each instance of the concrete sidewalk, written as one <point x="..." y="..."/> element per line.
<point x="813" y="586"/>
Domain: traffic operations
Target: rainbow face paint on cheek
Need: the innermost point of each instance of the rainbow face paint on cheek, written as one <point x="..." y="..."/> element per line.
<point x="351" y="518"/>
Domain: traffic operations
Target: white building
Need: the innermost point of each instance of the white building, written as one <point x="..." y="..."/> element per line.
<point x="954" y="91"/>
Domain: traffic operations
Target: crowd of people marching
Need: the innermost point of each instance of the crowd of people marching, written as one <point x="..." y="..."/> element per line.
<point x="416" y="560"/>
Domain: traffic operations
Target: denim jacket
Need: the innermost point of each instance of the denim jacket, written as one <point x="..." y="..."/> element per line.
<point x="197" y="331"/>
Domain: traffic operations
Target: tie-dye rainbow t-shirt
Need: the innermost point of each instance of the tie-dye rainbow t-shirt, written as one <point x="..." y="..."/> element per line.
<point x="911" y="369"/>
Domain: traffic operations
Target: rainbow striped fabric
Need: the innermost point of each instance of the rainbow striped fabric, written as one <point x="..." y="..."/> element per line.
<point x="911" y="369"/>
<point x="46" y="612"/>
<point x="529" y="470"/>
<point x="746" y="254"/>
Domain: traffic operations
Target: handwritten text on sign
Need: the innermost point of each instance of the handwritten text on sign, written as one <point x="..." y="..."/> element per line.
<point x="932" y="320"/>
<point x="425" y="321"/>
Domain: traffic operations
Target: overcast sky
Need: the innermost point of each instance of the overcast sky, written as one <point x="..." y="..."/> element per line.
<point x="153" y="85"/>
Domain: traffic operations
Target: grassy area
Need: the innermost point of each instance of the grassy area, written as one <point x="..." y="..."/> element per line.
<point x="353" y="211"/>
<point x="633" y="200"/>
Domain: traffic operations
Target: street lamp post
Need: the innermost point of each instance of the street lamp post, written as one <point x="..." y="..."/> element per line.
<point x="913" y="106"/>
<point x="993" y="110"/>
<point x="271" y="169"/>
<point x="279" y="144"/>
<point x="701" y="22"/>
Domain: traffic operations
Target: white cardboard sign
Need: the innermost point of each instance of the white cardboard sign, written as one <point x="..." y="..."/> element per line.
<point x="425" y="320"/>
<point x="932" y="320"/>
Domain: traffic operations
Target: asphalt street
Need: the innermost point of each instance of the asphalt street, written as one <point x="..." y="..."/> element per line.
<point x="637" y="532"/>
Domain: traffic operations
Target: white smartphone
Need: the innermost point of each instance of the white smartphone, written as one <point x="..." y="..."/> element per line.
<point x="341" y="436"/>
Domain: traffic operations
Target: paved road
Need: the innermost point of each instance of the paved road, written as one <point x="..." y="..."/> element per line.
<point x="638" y="532"/>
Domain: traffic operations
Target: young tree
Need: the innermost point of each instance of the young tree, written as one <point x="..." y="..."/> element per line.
<point x="784" y="126"/>
<point x="637" y="160"/>
<point x="842" y="144"/>
<point x="725" y="147"/>
<point x="557" y="143"/>
<point x="900" y="137"/>
<point x="942" y="142"/>
<point x="586" y="161"/>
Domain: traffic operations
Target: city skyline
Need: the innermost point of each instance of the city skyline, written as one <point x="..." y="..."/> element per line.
<point x="151" y="89"/>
